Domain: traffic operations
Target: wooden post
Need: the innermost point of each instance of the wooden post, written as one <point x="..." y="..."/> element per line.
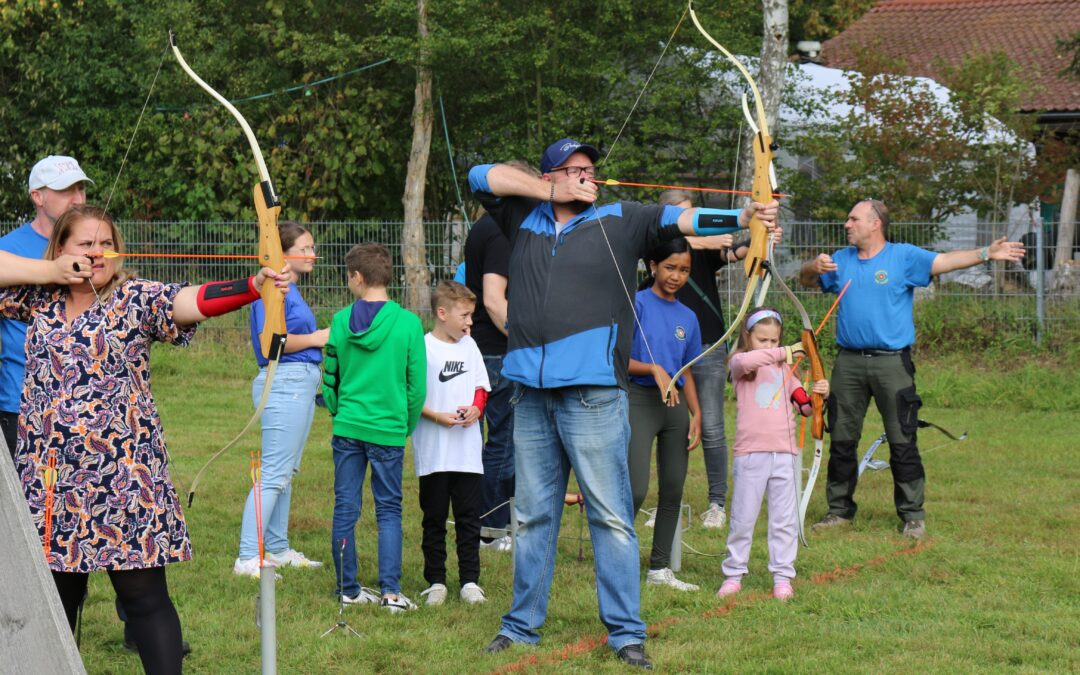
<point x="34" y="632"/>
<point x="1067" y="228"/>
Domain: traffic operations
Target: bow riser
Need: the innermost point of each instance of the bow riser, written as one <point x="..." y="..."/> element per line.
<point x="761" y="192"/>
<point x="272" y="338"/>
<point x="817" y="372"/>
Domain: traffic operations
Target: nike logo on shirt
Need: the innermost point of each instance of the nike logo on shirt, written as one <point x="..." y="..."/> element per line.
<point x="452" y="369"/>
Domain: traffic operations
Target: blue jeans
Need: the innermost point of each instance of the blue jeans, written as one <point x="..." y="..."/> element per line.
<point x="498" y="457"/>
<point x="286" y="421"/>
<point x="351" y="458"/>
<point x="587" y="429"/>
<point x="710" y="377"/>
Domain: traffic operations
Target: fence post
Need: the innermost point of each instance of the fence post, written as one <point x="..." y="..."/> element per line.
<point x="1040" y="280"/>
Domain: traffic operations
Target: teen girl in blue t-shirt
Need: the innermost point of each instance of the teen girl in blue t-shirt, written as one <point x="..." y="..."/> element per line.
<point x="667" y="338"/>
<point x="286" y="419"/>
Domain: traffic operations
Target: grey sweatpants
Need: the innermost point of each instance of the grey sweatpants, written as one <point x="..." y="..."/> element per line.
<point x="754" y="475"/>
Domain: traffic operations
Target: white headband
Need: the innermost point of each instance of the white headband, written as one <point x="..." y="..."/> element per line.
<point x="762" y="314"/>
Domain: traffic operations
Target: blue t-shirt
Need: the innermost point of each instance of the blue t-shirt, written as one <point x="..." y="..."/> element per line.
<point x="876" y="311"/>
<point x="24" y="241"/>
<point x="299" y="320"/>
<point x="672" y="331"/>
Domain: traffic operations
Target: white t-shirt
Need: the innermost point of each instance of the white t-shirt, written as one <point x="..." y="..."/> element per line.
<point x="454" y="372"/>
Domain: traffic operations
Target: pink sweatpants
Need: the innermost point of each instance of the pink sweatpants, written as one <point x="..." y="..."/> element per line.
<point x="754" y="475"/>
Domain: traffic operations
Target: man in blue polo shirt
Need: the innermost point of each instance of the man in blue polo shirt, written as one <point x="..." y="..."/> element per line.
<point x="571" y="320"/>
<point x="56" y="184"/>
<point x="875" y="329"/>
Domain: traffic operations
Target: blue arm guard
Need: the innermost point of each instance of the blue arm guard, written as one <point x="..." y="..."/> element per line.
<point x="709" y="222"/>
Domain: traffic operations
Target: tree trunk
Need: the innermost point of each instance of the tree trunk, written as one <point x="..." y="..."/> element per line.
<point x="770" y="81"/>
<point x="413" y="255"/>
<point x="1067" y="228"/>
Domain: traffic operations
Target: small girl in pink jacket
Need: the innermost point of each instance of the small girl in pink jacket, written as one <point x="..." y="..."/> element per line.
<point x="765" y="452"/>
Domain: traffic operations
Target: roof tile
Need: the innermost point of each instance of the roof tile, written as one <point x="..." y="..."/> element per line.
<point x="922" y="31"/>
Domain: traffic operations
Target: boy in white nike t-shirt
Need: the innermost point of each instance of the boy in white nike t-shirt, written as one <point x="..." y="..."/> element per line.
<point x="448" y="442"/>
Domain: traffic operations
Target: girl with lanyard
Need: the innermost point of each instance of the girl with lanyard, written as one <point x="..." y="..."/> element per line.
<point x="765" y="451"/>
<point x="91" y="452"/>
<point x="286" y="419"/>
<point x="666" y="339"/>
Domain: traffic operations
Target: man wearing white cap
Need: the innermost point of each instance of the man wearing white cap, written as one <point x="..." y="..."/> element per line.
<point x="56" y="183"/>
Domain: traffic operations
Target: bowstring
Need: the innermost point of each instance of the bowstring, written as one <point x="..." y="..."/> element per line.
<point x="596" y="212"/>
<point x="127" y="152"/>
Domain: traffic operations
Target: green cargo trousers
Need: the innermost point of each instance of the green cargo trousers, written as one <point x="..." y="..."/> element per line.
<point x="888" y="378"/>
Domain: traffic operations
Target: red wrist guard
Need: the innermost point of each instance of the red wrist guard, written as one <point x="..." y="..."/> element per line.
<point x="221" y="297"/>
<point x="800" y="397"/>
<point x="480" y="399"/>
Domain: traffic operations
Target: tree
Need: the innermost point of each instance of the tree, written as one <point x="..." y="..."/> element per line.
<point x="417" y="279"/>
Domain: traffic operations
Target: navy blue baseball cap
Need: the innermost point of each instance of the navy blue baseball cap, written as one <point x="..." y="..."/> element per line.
<point x="560" y="150"/>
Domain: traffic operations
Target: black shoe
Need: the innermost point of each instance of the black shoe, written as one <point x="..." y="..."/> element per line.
<point x="634" y="655"/>
<point x="129" y="644"/>
<point x="500" y="643"/>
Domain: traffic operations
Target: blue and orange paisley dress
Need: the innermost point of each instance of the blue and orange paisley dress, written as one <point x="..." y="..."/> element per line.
<point x="86" y="402"/>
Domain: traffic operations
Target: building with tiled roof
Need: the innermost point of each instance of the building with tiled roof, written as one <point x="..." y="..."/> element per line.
<point x="924" y="31"/>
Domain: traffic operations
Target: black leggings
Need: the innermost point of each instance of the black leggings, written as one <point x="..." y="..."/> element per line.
<point x="152" y="618"/>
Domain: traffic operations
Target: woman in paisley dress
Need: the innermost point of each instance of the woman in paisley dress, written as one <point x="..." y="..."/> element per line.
<point x="91" y="451"/>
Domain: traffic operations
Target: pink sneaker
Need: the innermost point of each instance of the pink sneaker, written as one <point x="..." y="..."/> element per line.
<point x="729" y="587"/>
<point x="782" y="591"/>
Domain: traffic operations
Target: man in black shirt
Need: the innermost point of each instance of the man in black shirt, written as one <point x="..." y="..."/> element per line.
<point x="487" y="263"/>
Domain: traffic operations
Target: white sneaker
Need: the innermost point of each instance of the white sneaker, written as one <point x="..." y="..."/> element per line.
<point x="250" y="567"/>
<point x="398" y="604"/>
<point x="502" y="544"/>
<point x="666" y="577"/>
<point x="473" y="594"/>
<point x="436" y="594"/>
<point x="714" y="517"/>
<point x="366" y="596"/>
<point x="292" y="557"/>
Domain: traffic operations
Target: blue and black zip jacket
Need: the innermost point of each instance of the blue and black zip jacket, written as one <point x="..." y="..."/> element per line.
<point x="570" y="321"/>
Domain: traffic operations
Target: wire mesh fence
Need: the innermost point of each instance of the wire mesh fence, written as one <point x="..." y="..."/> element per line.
<point x="989" y="286"/>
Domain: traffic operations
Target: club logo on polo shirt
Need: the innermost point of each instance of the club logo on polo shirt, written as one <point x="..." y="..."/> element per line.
<point x="452" y="369"/>
<point x="881" y="277"/>
<point x="680" y="333"/>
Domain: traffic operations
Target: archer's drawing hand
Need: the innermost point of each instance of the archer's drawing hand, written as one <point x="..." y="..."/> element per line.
<point x="567" y="191"/>
<point x="69" y="270"/>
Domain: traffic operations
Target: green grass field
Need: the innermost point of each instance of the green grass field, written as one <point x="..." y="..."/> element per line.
<point x="993" y="589"/>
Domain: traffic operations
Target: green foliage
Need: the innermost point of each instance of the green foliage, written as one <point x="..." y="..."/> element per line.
<point x="818" y="20"/>
<point x="925" y="157"/>
<point x="512" y="76"/>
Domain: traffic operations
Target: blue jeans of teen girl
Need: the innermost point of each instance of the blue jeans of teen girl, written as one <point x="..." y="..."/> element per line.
<point x="286" y="421"/>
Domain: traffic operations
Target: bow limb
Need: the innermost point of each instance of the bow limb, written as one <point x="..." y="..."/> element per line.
<point x="762" y="189"/>
<point x="273" y="336"/>
<point x="760" y="249"/>
<point x="751" y="286"/>
<point x="817" y="401"/>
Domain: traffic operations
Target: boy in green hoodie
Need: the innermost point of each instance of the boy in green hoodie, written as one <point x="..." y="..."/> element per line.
<point x="374" y="379"/>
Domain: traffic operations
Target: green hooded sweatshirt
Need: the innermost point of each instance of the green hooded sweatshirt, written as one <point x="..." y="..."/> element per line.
<point x="375" y="373"/>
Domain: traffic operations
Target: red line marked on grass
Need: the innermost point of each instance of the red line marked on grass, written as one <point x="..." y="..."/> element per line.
<point x="586" y="645"/>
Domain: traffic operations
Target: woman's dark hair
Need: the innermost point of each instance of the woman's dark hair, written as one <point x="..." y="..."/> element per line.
<point x="662" y="252"/>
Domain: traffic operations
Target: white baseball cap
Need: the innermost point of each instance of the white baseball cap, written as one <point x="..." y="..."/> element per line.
<point x="57" y="172"/>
